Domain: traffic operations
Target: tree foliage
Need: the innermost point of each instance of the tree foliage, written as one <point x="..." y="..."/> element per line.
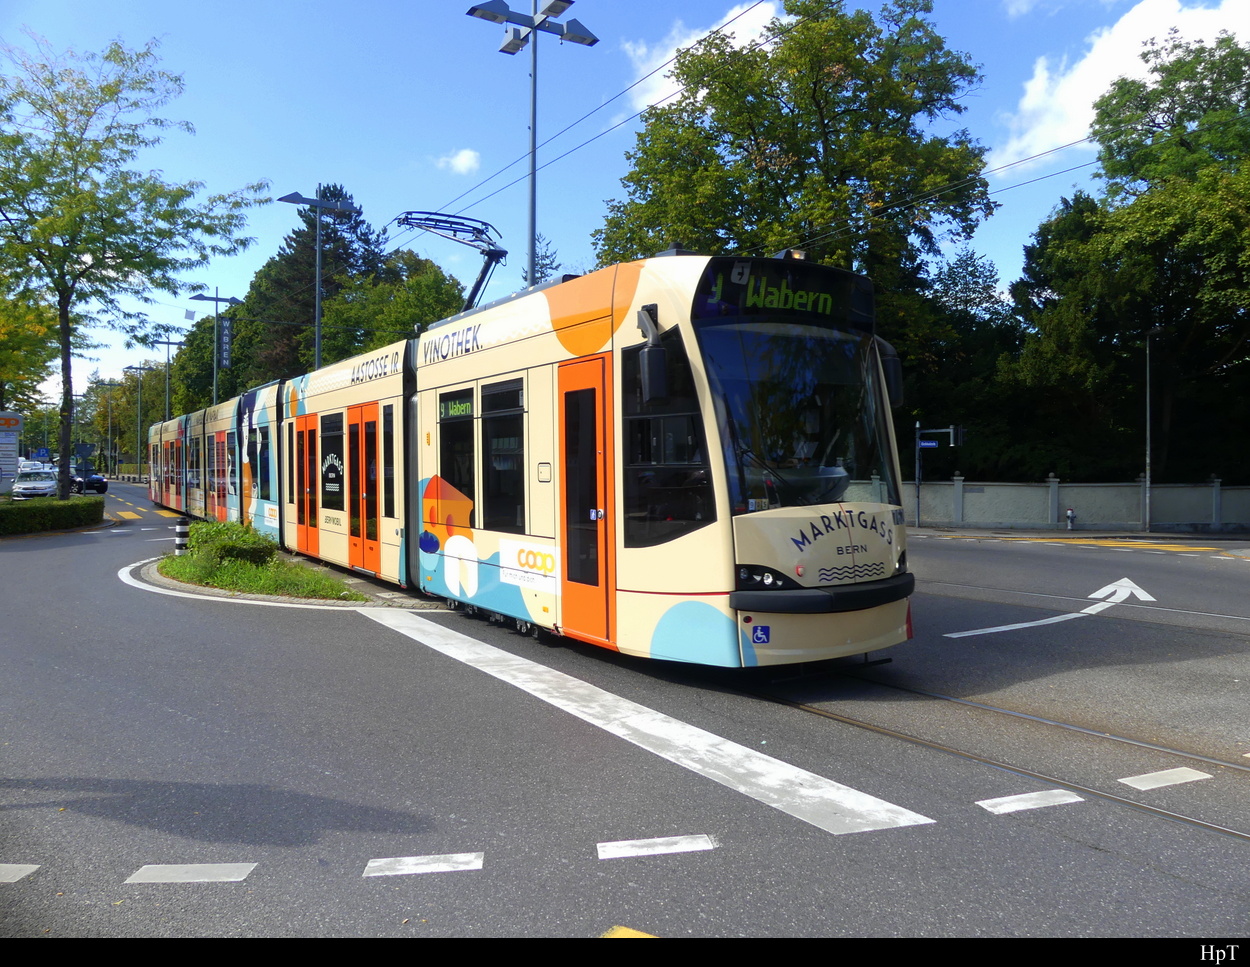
<point x="1163" y="257"/>
<point x="407" y="295"/>
<point x="81" y="227"/>
<point x="824" y="136"/>
<point x="28" y="347"/>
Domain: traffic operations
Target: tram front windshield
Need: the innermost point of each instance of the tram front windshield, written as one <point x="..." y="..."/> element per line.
<point x="801" y="413"/>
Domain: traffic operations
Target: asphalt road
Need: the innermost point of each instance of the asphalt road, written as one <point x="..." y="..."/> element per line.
<point x="374" y="772"/>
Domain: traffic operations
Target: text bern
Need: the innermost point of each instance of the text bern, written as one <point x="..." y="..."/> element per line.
<point x="842" y="520"/>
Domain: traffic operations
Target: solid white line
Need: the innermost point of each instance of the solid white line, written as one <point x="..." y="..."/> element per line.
<point x="1029" y="800"/>
<point x="409" y="865"/>
<point x="12" y="872"/>
<point x="822" y="802"/>
<point x="1168" y="777"/>
<point x="655" y="847"/>
<point x="192" y="873"/>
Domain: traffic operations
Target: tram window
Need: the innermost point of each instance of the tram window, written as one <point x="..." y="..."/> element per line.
<point x="388" y="459"/>
<point x="258" y="458"/>
<point x="193" y="464"/>
<point x="332" y="461"/>
<point x="667" y="484"/>
<point x="455" y="435"/>
<point x="290" y="463"/>
<point x="232" y="462"/>
<point x="503" y="457"/>
<point x="263" y="464"/>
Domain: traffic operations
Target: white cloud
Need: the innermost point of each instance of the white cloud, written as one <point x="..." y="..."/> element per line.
<point x="1058" y="102"/>
<point x="462" y="162"/>
<point x="647" y="58"/>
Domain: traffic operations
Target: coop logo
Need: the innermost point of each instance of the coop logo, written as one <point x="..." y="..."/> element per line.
<point x="8" y="422"/>
<point x="535" y="561"/>
<point x="532" y="566"/>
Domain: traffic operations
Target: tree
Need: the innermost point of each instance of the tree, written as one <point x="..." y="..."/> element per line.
<point x="78" y="225"/>
<point x="952" y="376"/>
<point x="1187" y="117"/>
<point x="1163" y="257"/>
<point x="407" y="295"/>
<point x="274" y="331"/>
<point x="546" y="262"/>
<point x="821" y="136"/>
<point x="28" y="346"/>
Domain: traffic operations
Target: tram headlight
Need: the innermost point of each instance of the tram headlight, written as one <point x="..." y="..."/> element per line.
<point x="752" y="577"/>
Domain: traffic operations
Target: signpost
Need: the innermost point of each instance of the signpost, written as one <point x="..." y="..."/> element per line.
<point x="10" y="437"/>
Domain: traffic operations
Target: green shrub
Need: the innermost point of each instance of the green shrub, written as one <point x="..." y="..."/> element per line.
<point x="49" y="514"/>
<point x="218" y="541"/>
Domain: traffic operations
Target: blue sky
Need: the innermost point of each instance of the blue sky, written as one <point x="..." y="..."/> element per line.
<point x="408" y="104"/>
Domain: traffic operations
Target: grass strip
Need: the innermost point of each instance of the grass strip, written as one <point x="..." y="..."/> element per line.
<point x="276" y="577"/>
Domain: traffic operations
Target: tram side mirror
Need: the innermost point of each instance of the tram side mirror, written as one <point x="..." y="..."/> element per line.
<point x="894" y="379"/>
<point x="892" y="366"/>
<point x="652" y="358"/>
<point x="653" y="369"/>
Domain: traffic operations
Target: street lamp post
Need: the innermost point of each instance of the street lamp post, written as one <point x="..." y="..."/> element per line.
<point x="515" y="38"/>
<point x="320" y="205"/>
<point x="216" y="298"/>
<point x="140" y="444"/>
<point x="108" y="449"/>
<point x="1156" y="331"/>
<point x="167" y="343"/>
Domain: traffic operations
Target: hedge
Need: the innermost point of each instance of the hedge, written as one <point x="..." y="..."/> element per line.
<point x="49" y="514"/>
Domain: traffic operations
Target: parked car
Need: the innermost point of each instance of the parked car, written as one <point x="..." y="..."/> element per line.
<point x="95" y="481"/>
<point x="34" y="483"/>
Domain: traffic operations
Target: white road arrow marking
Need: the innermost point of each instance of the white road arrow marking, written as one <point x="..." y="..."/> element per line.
<point x="1115" y="593"/>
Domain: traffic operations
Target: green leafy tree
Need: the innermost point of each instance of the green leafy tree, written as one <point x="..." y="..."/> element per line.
<point x="952" y="375"/>
<point x="28" y="347"/>
<point x="274" y="331"/>
<point x="80" y="226"/>
<point x="406" y="296"/>
<point x="1164" y="256"/>
<point x="823" y="136"/>
<point x="1188" y="116"/>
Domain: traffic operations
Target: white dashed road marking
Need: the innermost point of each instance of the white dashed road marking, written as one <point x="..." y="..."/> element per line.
<point x="408" y="865"/>
<point x="1029" y="800"/>
<point x="654" y="847"/>
<point x="1169" y="777"/>
<point x="192" y="873"/>
<point x="12" y="872"/>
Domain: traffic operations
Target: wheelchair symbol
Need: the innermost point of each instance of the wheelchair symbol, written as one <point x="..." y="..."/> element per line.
<point x="760" y="634"/>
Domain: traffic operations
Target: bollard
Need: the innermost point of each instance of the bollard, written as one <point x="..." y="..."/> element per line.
<point x="182" y="531"/>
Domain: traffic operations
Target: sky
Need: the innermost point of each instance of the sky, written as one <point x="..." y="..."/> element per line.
<point x="410" y="106"/>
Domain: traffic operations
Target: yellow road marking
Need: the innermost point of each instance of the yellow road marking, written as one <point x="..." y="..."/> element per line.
<point x="1094" y="542"/>
<point x="626" y="933"/>
<point x="169" y="513"/>
<point x="129" y="515"/>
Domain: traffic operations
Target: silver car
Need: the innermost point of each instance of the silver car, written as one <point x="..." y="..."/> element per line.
<point x="34" y="483"/>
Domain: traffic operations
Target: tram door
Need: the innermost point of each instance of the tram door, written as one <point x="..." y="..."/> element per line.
<point x="215" y="492"/>
<point x="585" y="514"/>
<point x="363" y="484"/>
<point x="306" y="483"/>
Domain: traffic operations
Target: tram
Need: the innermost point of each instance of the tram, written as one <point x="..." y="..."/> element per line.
<point x="685" y="457"/>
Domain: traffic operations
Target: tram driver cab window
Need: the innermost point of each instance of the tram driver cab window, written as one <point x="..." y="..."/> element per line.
<point x="668" y="488"/>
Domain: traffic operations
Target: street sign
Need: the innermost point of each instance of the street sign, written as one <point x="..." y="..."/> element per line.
<point x="926" y="444"/>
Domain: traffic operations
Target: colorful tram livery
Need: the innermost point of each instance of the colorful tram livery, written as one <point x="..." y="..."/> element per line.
<point x="685" y="458"/>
